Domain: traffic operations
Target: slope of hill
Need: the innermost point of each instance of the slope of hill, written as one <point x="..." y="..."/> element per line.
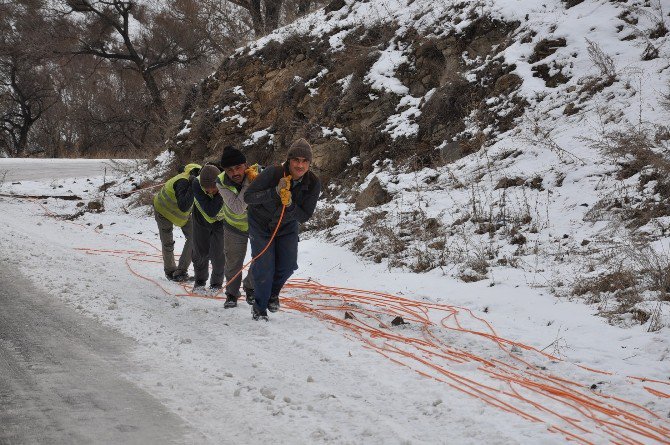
<point x="471" y="137"/>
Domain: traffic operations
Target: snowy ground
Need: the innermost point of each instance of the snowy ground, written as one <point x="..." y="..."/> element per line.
<point x="304" y="377"/>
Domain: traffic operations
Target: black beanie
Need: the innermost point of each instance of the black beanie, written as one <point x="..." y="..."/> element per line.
<point x="231" y="157"/>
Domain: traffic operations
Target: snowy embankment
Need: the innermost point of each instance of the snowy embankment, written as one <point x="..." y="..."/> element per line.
<point x="557" y="168"/>
<point x="568" y="196"/>
<point x="311" y="376"/>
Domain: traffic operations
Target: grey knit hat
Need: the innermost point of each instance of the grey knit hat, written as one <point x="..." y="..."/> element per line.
<point x="208" y="176"/>
<point x="300" y="149"/>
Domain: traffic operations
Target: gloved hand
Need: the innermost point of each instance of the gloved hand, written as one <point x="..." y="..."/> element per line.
<point x="284" y="190"/>
<point x="285" y="196"/>
<point x="251" y="173"/>
<point x="284" y="184"/>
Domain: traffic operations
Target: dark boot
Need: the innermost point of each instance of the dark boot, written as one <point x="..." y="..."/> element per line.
<point x="231" y="301"/>
<point x="273" y="304"/>
<point x="180" y="277"/>
<point x="258" y="314"/>
<point x="199" y="287"/>
<point x="250" y="295"/>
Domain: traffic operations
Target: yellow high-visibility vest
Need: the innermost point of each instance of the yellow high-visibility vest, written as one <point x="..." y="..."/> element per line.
<point x="165" y="201"/>
<point x="236" y="220"/>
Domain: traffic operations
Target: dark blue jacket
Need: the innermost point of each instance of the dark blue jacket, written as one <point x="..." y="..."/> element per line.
<point x="209" y="204"/>
<point x="184" y="193"/>
<point x="264" y="204"/>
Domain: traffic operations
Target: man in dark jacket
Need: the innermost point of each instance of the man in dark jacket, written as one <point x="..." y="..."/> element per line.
<point x="172" y="207"/>
<point x="291" y="185"/>
<point x="207" y="231"/>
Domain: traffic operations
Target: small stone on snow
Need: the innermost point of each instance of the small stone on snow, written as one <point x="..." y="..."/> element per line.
<point x="267" y="393"/>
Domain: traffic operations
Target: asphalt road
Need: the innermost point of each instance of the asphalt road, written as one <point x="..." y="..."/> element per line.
<point x="62" y="377"/>
<point x="19" y="169"/>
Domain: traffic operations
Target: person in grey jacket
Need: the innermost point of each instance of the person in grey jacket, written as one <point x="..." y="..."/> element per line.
<point x="232" y="184"/>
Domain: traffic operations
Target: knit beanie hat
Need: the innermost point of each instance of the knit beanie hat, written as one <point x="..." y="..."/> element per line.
<point x="300" y="149"/>
<point x="232" y="156"/>
<point x="208" y="176"/>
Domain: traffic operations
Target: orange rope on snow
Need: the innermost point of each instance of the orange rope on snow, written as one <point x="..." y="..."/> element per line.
<point x="135" y="258"/>
<point x="616" y="422"/>
<point x="657" y="392"/>
<point x="643" y="379"/>
<point x="141" y="241"/>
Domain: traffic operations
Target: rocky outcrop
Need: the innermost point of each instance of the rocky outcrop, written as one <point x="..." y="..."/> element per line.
<point x="373" y="195"/>
<point x="263" y="99"/>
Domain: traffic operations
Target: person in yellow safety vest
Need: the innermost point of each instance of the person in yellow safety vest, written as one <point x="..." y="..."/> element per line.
<point x="172" y="207"/>
<point x="207" y="231"/>
<point x="232" y="183"/>
<point x="220" y="226"/>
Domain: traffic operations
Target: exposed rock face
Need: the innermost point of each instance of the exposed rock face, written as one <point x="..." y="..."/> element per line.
<point x="331" y="156"/>
<point x="262" y="100"/>
<point x="373" y="195"/>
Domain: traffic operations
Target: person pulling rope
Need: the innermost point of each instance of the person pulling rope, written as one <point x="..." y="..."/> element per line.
<point x="280" y="199"/>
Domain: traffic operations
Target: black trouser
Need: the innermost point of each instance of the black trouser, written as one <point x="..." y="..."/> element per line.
<point x="208" y="246"/>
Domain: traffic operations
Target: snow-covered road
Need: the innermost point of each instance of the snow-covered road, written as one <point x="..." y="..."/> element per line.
<point x="22" y="169"/>
<point x="302" y="378"/>
<point x="62" y="376"/>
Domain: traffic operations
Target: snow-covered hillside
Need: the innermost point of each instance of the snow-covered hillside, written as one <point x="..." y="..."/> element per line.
<point x="479" y="138"/>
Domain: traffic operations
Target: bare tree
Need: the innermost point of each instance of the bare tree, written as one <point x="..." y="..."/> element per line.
<point x="221" y="23"/>
<point x="26" y="91"/>
<point x="85" y="76"/>
<point x="24" y="100"/>
<point x="266" y="14"/>
<point x="108" y="110"/>
<point x="143" y="39"/>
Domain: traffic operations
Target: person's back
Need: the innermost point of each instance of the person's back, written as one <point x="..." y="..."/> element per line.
<point x="173" y="205"/>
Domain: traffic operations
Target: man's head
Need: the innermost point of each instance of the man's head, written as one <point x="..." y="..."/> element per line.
<point x="299" y="158"/>
<point x="208" y="176"/>
<point x="233" y="163"/>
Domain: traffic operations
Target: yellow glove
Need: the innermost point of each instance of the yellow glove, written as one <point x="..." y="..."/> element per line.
<point x="284" y="190"/>
<point x="251" y="173"/>
<point x="285" y="196"/>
